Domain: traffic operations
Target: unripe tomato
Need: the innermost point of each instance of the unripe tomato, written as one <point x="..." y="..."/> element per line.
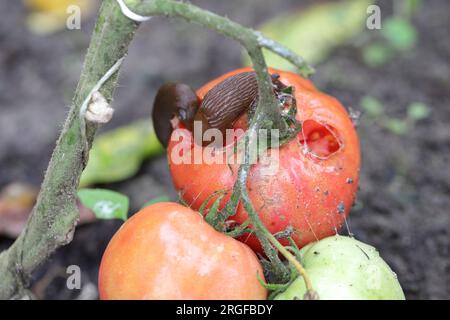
<point x="342" y="268"/>
<point x="167" y="251"/>
<point x="317" y="178"/>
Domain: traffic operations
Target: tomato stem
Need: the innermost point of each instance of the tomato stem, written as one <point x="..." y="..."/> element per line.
<point x="262" y="228"/>
<point x="261" y="231"/>
<point x="222" y="25"/>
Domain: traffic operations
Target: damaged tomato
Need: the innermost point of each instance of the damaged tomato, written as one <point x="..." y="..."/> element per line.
<point x="315" y="179"/>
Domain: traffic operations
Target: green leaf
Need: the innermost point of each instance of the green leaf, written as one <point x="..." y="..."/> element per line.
<point x="118" y="154"/>
<point x="376" y="55"/>
<point x="400" y="33"/>
<point x="372" y="106"/>
<point x="214" y="209"/>
<point x="418" y="111"/>
<point x="288" y="90"/>
<point x="156" y="200"/>
<point x="206" y="202"/>
<point x="315" y="31"/>
<point x="106" y="204"/>
<point x="396" y="126"/>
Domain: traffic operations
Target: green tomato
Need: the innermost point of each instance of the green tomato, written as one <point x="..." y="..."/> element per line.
<point x="344" y="268"/>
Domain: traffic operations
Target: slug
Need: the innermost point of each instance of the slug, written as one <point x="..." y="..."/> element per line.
<point x="225" y="102"/>
<point x="219" y="109"/>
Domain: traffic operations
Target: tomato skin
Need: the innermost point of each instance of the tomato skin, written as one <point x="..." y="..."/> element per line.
<point x="312" y="191"/>
<point x="343" y="268"/>
<point x="168" y="251"/>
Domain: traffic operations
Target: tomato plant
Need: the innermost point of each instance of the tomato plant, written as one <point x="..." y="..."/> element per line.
<point x="344" y="268"/>
<point x="317" y="178"/>
<point x="168" y="251"/>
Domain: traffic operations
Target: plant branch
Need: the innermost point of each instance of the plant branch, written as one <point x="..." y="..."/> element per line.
<point x="222" y="25"/>
<point x="304" y="69"/>
<point x="55" y="214"/>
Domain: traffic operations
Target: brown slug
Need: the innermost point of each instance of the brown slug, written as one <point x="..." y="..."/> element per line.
<point x="219" y="109"/>
<point x="226" y="101"/>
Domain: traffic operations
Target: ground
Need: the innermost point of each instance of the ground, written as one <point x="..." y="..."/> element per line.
<point x="403" y="202"/>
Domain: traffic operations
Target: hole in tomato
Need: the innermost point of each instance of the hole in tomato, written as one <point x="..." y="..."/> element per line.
<point x="319" y="140"/>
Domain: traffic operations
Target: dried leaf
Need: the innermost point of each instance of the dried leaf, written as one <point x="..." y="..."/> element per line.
<point x="16" y="201"/>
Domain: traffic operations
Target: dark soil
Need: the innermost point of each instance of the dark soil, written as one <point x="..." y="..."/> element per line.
<point x="403" y="204"/>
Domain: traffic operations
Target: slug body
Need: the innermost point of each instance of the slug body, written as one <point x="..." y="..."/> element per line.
<point x="225" y="102"/>
<point x="219" y="109"/>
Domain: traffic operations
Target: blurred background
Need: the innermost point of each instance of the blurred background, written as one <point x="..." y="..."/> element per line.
<point x="395" y="81"/>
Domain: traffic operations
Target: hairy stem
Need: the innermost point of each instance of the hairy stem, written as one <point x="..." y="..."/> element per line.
<point x="55" y="214"/>
<point x="304" y="69"/>
<point x="221" y="25"/>
<point x="261" y="231"/>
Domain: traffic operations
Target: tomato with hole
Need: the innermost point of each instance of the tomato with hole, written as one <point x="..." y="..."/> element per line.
<point x="168" y="251"/>
<point x="315" y="179"/>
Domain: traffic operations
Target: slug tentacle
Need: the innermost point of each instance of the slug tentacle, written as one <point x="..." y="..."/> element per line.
<point x="173" y="99"/>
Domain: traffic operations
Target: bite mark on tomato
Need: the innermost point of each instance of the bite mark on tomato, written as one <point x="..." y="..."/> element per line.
<point x="320" y="140"/>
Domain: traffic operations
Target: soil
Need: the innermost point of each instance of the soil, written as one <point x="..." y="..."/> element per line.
<point x="403" y="202"/>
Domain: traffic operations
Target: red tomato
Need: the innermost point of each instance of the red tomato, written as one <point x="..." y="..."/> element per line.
<point x="167" y="251"/>
<point x="317" y="179"/>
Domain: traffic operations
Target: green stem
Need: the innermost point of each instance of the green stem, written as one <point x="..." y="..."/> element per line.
<point x="280" y="270"/>
<point x="239" y="230"/>
<point x="55" y="214"/>
<point x="222" y="25"/>
<point x="262" y="231"/>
